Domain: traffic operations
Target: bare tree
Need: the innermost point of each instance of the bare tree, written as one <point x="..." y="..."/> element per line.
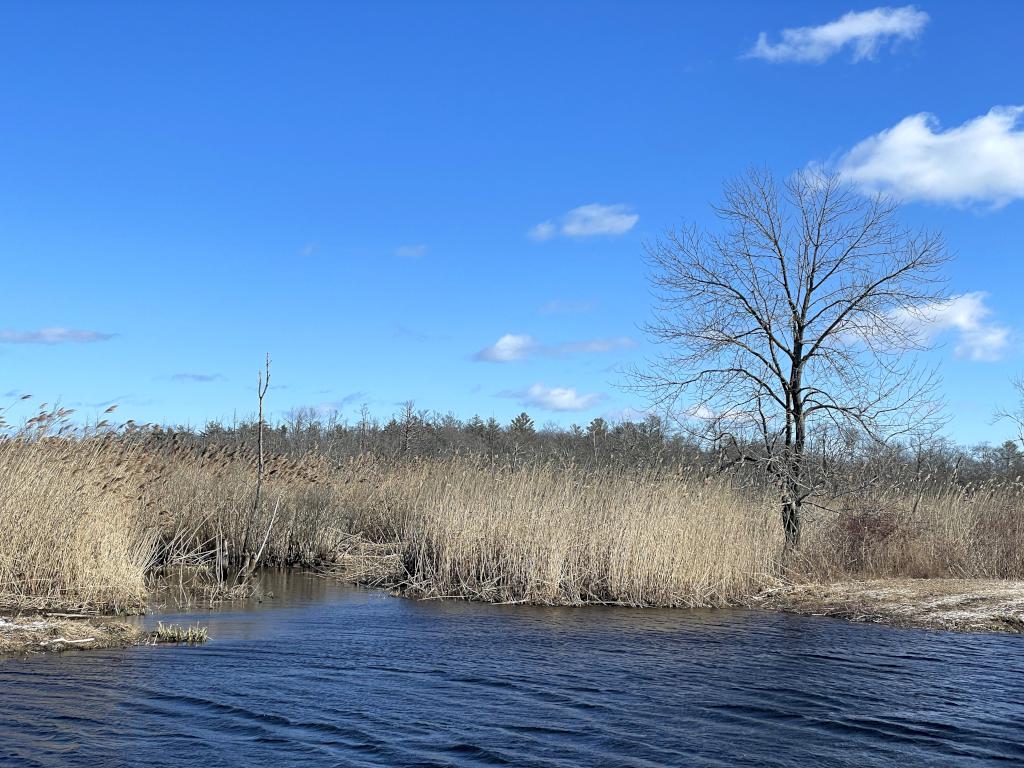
<point x="791" y="326"/>
<point x="1014" y="415"/>
<point x="251" y="559"/>
<point x="262" y="385"/>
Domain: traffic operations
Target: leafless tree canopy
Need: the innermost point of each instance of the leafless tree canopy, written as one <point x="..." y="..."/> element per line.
<point x="1015" y="415"/>
<point x="795" y="323"/>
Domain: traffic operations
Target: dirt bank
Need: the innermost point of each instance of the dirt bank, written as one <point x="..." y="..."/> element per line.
<point x="958" y="605"/>
<point x="47" y="634"/>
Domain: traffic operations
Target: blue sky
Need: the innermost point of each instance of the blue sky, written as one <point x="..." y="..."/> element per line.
<point x="378" y="194"/>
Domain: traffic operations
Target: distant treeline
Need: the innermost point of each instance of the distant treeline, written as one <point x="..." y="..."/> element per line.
<point x="417" y="434"/>
<point x="633" y="446"/>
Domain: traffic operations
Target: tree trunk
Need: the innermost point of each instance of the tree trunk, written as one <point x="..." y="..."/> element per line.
<point x="794" y="487"/>
<point x="791" y="522"/>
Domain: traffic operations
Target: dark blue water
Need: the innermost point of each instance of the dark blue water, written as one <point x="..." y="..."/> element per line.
<point x="325" y="675"/>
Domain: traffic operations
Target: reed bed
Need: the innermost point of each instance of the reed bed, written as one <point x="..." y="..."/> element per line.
<point x="71" y="532"/>
<point x="92" y="522"/>
<point x="563" y="537"/>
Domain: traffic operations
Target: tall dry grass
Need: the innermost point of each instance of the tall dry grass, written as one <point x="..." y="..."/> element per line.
<point x="564" y="537"/>
<point x="940" y="530"/>
<point x="71" y="533"/>
<point x="203" y="502"/>
<point x="91" y="521"/>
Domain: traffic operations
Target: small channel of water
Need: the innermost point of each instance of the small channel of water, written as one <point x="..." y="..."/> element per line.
<point x="328" y="675"/>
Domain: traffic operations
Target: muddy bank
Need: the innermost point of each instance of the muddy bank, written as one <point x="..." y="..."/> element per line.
<point x="958" y="605"/>
<point x="49" y="634"/>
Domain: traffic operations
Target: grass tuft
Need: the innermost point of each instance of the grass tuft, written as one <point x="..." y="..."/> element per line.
<point x="179" y="634"/>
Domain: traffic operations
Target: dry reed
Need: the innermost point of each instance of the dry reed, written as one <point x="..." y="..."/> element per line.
<point x="553" y="536"/>
<point x="90" y="521"/>
<point x="71" y="534"/>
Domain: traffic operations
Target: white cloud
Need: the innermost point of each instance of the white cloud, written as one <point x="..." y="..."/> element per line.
<point x="735" y="416"/>
<point x="559" y="398"/>
<point x="52" y="336"/>
<point x="701" y="412"/>
<point x="508" y="348"/>
<point x="596" y="219"/>
<point x="967" y="316"/>
<point x="627" y="414"/>
<point x="981" y="161"/>
<point x="864" y="31"/>
<point x="588" y="221"/>
<point x="411" y="251"/>
<point x="512" y="347"/>
<point x="543" y="231"/>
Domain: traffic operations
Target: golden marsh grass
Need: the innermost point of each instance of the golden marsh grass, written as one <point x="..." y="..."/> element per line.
<point x="90" y="522"/>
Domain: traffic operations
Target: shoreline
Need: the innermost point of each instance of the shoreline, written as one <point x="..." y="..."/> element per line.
<point x="951" y="605"/>
<point x="29" y="634"/>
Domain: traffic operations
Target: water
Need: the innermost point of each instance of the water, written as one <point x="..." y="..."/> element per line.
<point x="326" y="675"/>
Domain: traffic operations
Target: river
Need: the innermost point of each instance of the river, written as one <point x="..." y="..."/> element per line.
<point x="329" y="675"/>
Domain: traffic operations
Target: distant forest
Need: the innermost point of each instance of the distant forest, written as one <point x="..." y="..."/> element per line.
<point x="646" y="446"/>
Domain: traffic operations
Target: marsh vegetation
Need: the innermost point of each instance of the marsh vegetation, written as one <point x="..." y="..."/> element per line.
<point x="627" y="515"/>
<point x="178" y="634"/>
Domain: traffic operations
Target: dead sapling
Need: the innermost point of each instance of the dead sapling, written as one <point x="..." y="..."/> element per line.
<point x="252" y="559"/>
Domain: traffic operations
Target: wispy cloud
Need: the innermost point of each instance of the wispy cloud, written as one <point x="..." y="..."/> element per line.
<point x="566" y="307"/>
<point x="590" y="346"/>
<point x="309" y="249"/>
<point x="331" y="407"/>
<point x="863" y="31"/>
<point x="555" y="398"/>
<point x="587" y="221"/>
<point x="543" y="231"/>
<point x="336" y="406"/>
<point x="53" y="336"/>
<point x="512" y="347"/>
<point x="966" y="316"/>
<point x="198" y="378"/>
<point x="411" y="251"/>
<point x="121" y="400"/>
<point x="980" y="161"/>
<point x="508" y="348"/>
<point x="359" y="396"/>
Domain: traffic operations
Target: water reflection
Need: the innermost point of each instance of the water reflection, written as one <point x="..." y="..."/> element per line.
<point x="326" y="675"/>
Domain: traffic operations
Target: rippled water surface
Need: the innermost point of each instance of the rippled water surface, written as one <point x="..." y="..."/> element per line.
<point x="325" y="675"/>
